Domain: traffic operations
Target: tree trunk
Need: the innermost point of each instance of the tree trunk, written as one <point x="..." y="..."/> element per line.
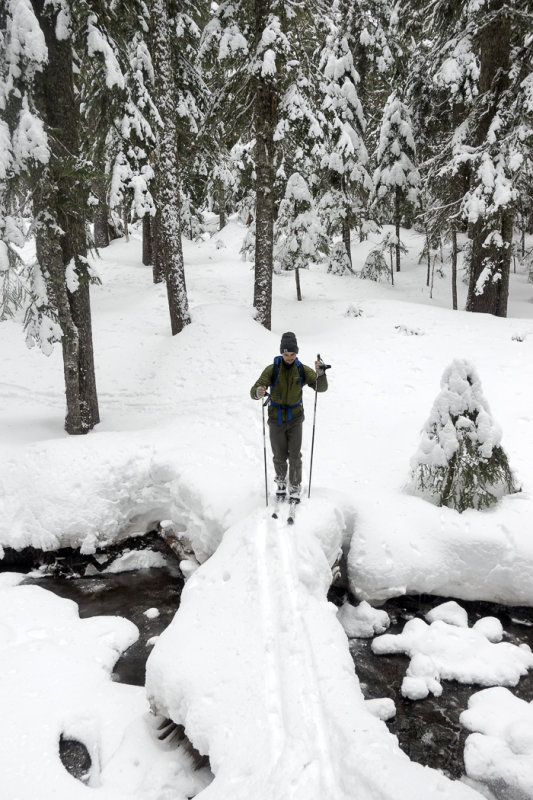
<point x="346" y="237"/>
<point x="147" y="240"/>
<point x="397" y="220"/>
<point x="490" y="264"/>
<point x="169" y="248"/>
<point x="454" y="266"/>
<point x="265" y="119"/>
<point x="61" y="225"/>
<point x="101" y="213"/>
<point x="221" y="207"/>
<point x="298" y="287"/>
<point x="428" y="275"/>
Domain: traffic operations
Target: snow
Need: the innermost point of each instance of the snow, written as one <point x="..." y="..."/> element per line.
<point x="296" y="711"/>
<point x="55" y="681"/>
<point x="181" y="440"/>
<point x="136" y="559"/>
<point x="362" y="621"/>
<point x="447" y="649"/>
<point x="500" y="750"/>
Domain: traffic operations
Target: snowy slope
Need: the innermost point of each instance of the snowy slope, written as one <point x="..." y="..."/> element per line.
<point x="180" y="439"/>
<point x="256" y="666"/>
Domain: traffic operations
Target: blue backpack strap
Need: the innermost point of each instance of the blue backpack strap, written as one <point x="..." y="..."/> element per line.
<point x="275" y="373"/>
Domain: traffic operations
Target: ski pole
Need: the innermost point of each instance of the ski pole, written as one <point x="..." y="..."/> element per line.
<point x="325" y="367"/>
<point x="265" y="448"/>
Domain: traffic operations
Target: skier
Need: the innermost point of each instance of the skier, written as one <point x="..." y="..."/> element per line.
<point x="286" y="377"/>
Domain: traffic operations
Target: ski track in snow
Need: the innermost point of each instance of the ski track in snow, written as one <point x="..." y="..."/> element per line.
<point x="296" y="708"/>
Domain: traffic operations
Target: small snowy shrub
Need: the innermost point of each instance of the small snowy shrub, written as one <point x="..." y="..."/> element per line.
<point x="339" y="263"/>
<point x="375" y="267"/>
<point x="408" y="331"/>
<point x="459" y="462"/>
<point x="353" y="311"/>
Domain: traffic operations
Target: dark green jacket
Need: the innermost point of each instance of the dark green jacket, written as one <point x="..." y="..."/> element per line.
<point x="288" y="389"/>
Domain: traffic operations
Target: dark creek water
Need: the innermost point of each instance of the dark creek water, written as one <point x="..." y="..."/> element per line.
<point x="428" y="730"/>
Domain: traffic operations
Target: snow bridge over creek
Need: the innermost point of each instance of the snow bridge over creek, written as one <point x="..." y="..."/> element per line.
<point x="256" y="667"/>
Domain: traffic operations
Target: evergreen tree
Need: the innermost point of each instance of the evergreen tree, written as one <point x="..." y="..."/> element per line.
<point x="460" y="462"/>
<point x="299" y="237"/>
<point x="345" y="181"/>
<point x="41" y="150"/>
<point x="266" y="47"/>
<point x="476" y="73"/>
<point x="168" y="228"/>
<point x="396" y="173"/>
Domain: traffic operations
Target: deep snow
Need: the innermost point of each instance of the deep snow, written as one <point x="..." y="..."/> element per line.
<point x="180" y="439"/>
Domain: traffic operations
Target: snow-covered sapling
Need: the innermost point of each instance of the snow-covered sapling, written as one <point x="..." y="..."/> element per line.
<point x="460" y="462"/>
<point x="375" y="267"/>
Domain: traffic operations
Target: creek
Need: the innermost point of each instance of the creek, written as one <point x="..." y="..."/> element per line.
<point x="428" y="730"/>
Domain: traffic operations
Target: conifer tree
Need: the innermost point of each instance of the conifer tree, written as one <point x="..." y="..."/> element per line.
<point x="41" y="150"/>
<point x="266" y="46"/>
<point x="396" y="174"/>
<point x="476" y="73"/>
<point x="460" y="462"/>
<point x="299" y="236"/>
<point x="345" y="180"/>
<point x="169" y="245"/>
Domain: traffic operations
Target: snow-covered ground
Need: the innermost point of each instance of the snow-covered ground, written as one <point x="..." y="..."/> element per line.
<point x="181" y="440"/>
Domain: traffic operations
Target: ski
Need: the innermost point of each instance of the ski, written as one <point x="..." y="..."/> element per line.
<point x="278" y="502"/>
<point x="293" y="502"/>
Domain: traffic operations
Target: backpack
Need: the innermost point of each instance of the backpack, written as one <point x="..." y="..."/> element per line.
<point x="275" y="374"/>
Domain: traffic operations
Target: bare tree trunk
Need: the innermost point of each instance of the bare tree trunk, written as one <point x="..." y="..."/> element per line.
<point x="429" y="256"/>
<point x="157" y="266"/>
<point x="490" y="264"/>
<point x="169" y="247"/>
<point x="147" y="241"/>
<point x="346" y="237"/>
<point x="221" y="207"/>
<point x="397" y="220"/>
<point x="101" y="213"/>
<point x="265" y="112"/>
<point x="454" y="266"/>
<point x="61" y="228"/>
<point x="298" y="287"/>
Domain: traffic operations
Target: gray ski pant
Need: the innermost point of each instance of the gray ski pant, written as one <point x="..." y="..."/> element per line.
<point x="286" y="443"/>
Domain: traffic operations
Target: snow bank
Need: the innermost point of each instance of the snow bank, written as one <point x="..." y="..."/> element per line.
<point x="273" y="699"/>
<point x="406" y="545"/>
<point x="91" y="493"/>
<point x="500" y="752"/>
<point x="55" y="681"/>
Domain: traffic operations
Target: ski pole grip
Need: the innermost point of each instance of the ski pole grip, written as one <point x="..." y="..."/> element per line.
<point x="324" y="366"/>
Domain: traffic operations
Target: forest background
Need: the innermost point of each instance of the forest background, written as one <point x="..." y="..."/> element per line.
<point x="315" y="122"/>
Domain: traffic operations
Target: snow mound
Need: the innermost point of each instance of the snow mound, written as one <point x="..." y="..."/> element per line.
<point x="362" y="621"/>
<point x="268" y="689"/>
<point x="450" y="612"/>
<point x="136" y="559"/>
<point x="500" y="751"/>
<point x="55" y="678"/>
<point x="443" y="651"/>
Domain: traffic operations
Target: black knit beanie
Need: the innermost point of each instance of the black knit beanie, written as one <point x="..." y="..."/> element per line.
<point x="288" y="343"/>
